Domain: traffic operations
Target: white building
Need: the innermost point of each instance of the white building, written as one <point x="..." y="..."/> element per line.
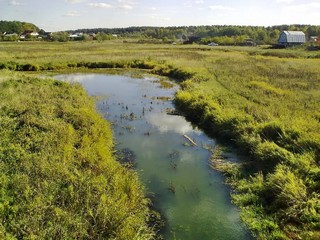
<point x="289" y="38"/>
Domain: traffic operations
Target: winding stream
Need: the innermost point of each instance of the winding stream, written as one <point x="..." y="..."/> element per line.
<point x="193" y="198"/>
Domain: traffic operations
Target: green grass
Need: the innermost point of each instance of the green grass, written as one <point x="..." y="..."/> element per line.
<point x="59" y="178"/>
<point x="265" y="101"/>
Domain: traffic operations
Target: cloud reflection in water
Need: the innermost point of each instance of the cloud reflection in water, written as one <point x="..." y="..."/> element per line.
<point x="166" y="123"/>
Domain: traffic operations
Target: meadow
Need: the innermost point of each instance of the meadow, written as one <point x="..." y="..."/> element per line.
<point x="265" y="102"/>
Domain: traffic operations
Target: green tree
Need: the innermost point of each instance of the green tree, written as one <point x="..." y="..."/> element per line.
<point x="101" y="36"/>
<point x="274" y="35"/>
<point x="85" y="37"/>
<point x="41" y="32"/>
<point x="16" y="27"/>
<point x="313" y="31"/>
<point x="60" y="36"/>
<point x="262" y="37"/>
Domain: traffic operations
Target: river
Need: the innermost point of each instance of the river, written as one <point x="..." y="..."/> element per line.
<point x="193" y="198"/>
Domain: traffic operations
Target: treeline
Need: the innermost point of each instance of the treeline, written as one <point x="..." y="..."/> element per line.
<point x="65" y="37"/>
<point x="223" y="34"/>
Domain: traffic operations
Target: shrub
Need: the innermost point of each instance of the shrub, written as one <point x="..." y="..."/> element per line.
<point x="271" y="154"/>
<point x="9" y="65"/>
<point x="286" y="188"/>
<point x="29" y="67"/>
<point x="271" y="132"/>
<point x="142" y="64"/>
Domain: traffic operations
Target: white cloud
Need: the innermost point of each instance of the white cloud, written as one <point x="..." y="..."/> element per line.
<point x="157" y="17"/>
<point x="303" y="7"/>
<point x="15" y="3"/>
<point x="221" y="7"/>
<point x="73" y="14"/>
<point x="187" y="4"/>
<point x="125" y="6"/>
<point x="126" y="1"/>
<point x="200" y="2"/>
<point x="190" y="4"/>
<point x="119" y="4"/>
<point x="285" y="1"/>
<point x="169" y="123"/>
<point x="75" y="1"/>
<point x="100" y="5"/>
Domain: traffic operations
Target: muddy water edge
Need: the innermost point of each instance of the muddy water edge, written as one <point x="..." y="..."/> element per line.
<point x="170" y="155"/>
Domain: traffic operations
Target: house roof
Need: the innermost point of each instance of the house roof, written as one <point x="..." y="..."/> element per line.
<point x="292" y="37"/>
<point x="294" y="33"/>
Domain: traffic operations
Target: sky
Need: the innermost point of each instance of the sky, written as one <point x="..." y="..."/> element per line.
<point x="59" y="15"/>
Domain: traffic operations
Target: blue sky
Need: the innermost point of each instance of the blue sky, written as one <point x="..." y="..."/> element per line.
<point x="55" y="15"/>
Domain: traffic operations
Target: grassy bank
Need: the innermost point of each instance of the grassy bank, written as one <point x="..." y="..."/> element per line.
<point x="266" y="102"/>
<point x="269" y="108"/>
<point x="59" y="178"/>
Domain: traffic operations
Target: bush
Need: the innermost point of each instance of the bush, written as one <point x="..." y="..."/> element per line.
<point x="271" y="132"/>
<point x="271" y="154"/>
<point x="9" y="65"/>
<point x="29" y="67"/>
<point x="286" y="188"/>
<point x="275" y="132"/>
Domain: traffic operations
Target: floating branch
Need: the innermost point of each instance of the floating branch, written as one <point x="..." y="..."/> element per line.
<point x="190" y="140"/>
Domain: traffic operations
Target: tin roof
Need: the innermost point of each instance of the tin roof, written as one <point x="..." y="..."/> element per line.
<point x="294" y="33"/>
<point x="292" y="37"/>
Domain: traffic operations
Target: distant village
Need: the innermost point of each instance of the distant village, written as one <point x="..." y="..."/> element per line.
<point x="284" y="38"/>
<point x="33" y="35"/>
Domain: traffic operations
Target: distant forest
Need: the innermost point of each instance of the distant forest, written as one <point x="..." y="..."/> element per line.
<point x="220" y="34"/>
<point x="224" y="35"/>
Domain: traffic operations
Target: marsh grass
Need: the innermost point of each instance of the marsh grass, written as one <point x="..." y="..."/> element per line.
<point x="59" y="178"/>
<point x="265" y="101"/>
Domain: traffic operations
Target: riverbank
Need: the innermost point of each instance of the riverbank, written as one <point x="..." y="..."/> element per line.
<point x="264" y="101"/>
<point x="59" y="177"/>
<point x="170" y="155"/>
<point x="268" y="107"/>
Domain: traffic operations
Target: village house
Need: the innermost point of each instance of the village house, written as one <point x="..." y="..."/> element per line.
<point x="30" y="34"/>
<point x="313" y="39"/>
<point x="75" y="36"/>
<point x="9" y="37"/>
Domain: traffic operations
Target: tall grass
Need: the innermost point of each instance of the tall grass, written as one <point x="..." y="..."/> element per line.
<point x="59" y="178"/>
<point x="264" y="101"/>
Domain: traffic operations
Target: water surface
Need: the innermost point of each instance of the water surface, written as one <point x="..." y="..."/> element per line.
<point x="193" y="198"/>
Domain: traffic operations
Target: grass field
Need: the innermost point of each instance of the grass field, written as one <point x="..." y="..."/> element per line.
<point x="265" y="101"/>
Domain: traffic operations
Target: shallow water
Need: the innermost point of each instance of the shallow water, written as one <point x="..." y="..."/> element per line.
<point x="193" y="198"/>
